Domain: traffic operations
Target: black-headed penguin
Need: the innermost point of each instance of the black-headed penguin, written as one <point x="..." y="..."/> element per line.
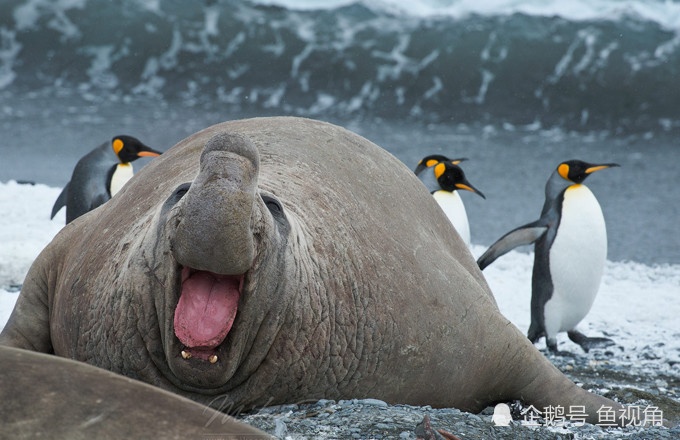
<point x="570" y="252"/>
<point x="443" y="180"/>
<point x="434" y="159"/>
<point x="98" y="176"/>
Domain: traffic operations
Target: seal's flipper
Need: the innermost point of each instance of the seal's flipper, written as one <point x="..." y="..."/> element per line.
<point x="61" y="201"/>
<point x="521" y="236"/>
<point x="28" y="326"/>
<point x="586" y="342"/>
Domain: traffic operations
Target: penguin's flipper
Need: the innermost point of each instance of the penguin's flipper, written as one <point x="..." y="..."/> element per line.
<point x="586" y="342"/>
<point x="61" y="201"/>
<point x="521" y="236"/>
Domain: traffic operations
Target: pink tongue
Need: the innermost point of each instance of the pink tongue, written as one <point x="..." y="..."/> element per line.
<point x="206" y="309"/>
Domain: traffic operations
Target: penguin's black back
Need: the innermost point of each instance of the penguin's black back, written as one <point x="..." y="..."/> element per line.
<point x="87" y="188"/>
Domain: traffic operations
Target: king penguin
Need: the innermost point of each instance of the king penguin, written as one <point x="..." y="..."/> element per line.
<point x="443" y="180"/>
<point x="97" y="176"/>
<point x="434" y="159"/>
<point x="569" y="254"/>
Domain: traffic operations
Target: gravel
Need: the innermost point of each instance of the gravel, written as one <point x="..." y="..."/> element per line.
<point x="361" y="419"/>
<point x="375" y="419"/>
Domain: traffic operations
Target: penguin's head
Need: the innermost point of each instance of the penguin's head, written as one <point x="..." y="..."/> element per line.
<point x="576" y="171"/>
<point x="434" y="159"/>
<point x="446" y="176"/>
<point x="129" y="149"/>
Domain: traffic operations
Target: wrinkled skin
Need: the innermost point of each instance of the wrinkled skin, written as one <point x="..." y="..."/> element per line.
<point x="358" y="286"/>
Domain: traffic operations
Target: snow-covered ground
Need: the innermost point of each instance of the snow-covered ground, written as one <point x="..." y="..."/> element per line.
<point x="637" y="306"/>
<point x="25" y="229"/>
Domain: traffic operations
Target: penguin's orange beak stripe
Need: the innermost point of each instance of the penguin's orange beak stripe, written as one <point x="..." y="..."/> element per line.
<point x="147" y="154"/>
<point x="463" y="186"/>
<point x="597" y="168"/>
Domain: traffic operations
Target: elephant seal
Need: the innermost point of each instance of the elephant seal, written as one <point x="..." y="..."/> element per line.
<point x="52" y="397"/>
<point x="272" y="260"/>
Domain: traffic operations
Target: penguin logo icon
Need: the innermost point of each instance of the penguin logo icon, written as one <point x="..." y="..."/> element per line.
<point x="501" y="415"/>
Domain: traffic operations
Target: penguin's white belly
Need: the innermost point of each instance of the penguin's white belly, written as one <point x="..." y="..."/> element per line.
<point x="453" y="207"/>
<point x="577" y="259"/>
<point x="120" y="177"/>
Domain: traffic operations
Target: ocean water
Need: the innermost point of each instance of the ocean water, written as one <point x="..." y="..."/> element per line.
<point x="516" y="86"/>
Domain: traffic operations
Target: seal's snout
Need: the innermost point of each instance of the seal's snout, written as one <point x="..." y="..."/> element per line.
<point x="215" y="229"/>
<point x="224" y="144"/>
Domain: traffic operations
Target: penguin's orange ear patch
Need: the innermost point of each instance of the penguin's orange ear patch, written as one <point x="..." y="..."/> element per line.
<point x="431" y="162"/>
<point x="439" y="170"/>
<point x="563" y="170"/>
<point x="117" y="145"/>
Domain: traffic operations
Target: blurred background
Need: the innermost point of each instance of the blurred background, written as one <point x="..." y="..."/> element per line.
<point x="515" y="86"/>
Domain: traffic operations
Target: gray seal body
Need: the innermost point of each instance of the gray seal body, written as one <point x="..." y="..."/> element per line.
<point x="270" y="260"/>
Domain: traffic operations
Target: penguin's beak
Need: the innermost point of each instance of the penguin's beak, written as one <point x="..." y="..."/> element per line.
<point x="601" y="167"/>
<point x="457" y="161"/>
<point x="468" y="187"/>
<point x="419" y="168"/>
<point x="148" y="152"/>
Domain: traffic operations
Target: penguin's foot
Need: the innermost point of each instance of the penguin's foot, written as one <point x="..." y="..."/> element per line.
<point x="552" y="348"/>
<point x="555" y="352"/>
<point x="561" y="353"/>
<point x="587" y="343"/>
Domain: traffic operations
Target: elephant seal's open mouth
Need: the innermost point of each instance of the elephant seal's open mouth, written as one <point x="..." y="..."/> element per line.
<point x="206" y="311"/>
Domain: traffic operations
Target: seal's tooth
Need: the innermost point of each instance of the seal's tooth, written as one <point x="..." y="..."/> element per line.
<point x="213" y="359"/>
<point x="186" y="355"/>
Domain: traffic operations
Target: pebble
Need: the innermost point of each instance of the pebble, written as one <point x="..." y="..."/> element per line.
<point x="280" y="429"/>
<point x="372" y="402"/>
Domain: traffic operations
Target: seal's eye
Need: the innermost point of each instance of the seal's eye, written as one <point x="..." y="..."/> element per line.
<point x="175" y="197"/>
<point x="273" y="205"/>
<point x="178" y="193"/>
